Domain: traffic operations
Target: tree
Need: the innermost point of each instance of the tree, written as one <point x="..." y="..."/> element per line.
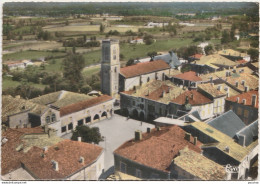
<point x="85" y="89"/>
<point x="87" y="134"/>
<point x="148" y="39"/>
<point x="101" y="28"/>
<point x="152" y="54"/>
<point x="209" y="49"/>
<point x="254" y="54"/>
<point x="73" y="65"/>
<point x="130" y="62"/>
<point x="121" y="56"/>
<point x="74" y="50"/>
<point x="85" y="38"/>
<point x="225" y="37"/>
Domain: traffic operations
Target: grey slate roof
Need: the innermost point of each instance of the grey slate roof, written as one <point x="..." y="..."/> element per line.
<point x="228" y="123"/>
<point x="249" y="132"/>
<point x="169" y="58"/>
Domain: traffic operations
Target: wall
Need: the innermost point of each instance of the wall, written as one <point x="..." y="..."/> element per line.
<point x="19" y="120"/>
<point x="241" y="111"/>
<point x="92" y="172"/>
<point x="103" y="108"/>
<point x="143" y="79"/>
<point x="132" y="166"/>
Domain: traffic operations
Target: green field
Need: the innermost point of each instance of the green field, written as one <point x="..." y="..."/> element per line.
<point x="30" y="55"/>
<point x="7" y="82"/>
<point x="90" y="71"/>
<point x="86" y="28"/>
<point x="134" y="51"/>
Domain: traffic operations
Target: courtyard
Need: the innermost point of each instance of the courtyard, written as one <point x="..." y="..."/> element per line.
<point x="115" y="131"/>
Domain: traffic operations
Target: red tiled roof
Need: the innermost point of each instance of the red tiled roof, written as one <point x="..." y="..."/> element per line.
<point x="10" y="158"/>
<point x="143" y="68"/>
<point x="157" y="94"/>
<point x="83" y="104"/>
<point x="191" y="76"/>
<point x="195" y="98"/>
<point x="247" y="96"/>
<point x="67" y="153"/>
<point x="197" y="56"/>
<point x="158" y="148"/>
<point x="241" y="61"/>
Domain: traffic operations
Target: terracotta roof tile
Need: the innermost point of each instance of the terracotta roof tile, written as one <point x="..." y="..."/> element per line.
<point x="83" y="104"/>
<point x="10" y="158"/>
<point x="241" y="61"/>
<point x="195" y="98"/>
<point x="67" y="153"/>
<point x="247" y="96"/>
<point x="191" y="76"/>
<point x="158" y="148"/>
<point x="143" y="68"/>
<point x="250" y="81"/>
<point x="197" y="56"/>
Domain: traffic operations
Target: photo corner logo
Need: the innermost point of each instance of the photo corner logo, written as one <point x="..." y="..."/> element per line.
<point x="231" y="169"/>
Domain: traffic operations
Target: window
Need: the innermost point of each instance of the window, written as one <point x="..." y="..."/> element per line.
<point x="47" y="119"/>
<point x="80" y="122"/>
<point x="88" y="119"/>
<point x="70" y="126"/>
<point x="63" y="129"/>
<point x="246" y="113"/>
<point x="138" y="173"/>
<point x="230" y="107"/>
<point x="53" y="118"/>
<point x="239" y="111"/>
<point x="122" y="167"/>
<point x="148" y="79"/>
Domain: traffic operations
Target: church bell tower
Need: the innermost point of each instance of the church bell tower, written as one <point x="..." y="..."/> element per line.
<point x="110" y="67"/>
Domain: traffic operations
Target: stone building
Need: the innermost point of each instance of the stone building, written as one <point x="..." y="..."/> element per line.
<point x="38" y="154"/>
<point x="223" y="150"/>
<point x="110" y="67"/>
<point x="149" y="101"/>
<point x="245" y="105"/>
<point x="215" y="94"/>
<point x="62" y="110"/>
<point x="66" y="160"/>
<point x="211" y="63"/>
<point x="151" y="156"/>
<point x="74" y="109"/>
<point x="192" y="101"/>
<point x="21" y="113"/>
<point x="188" y="79"/>
<point x="141" y="73"/>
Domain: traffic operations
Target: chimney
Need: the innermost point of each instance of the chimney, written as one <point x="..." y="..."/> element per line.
<point x="227" y="73"/>
<point x="219" y="88"/>
<point x="79" y="139"/>
<point x="195" y="140"/>
<point x="246" y="88"/>
<point x="253" y="100"/>
<point x="45" y="149"/>
<point x="55" y="165"/>
<point x="243" y="82"/>
<point x="187" y="136"/>
<point x="237" y="99"/>
<point x="211" y="80"/>
<point x="162" y="95"/>
<point x="148" y="130"/>
<point x="236" y="83"/>
<point x="138" y="135"/>
<point x="81" y="160"/>
<point x="227" y="149"/>
<point x="158" y="128"/>
<point x="191" y="96"/>
<point x="244" y="101"/>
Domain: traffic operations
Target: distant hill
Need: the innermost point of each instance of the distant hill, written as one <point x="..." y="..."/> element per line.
<point x="127" y="8"/>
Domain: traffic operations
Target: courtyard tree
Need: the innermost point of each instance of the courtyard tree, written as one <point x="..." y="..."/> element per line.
<point x="254" y="54"/>
<point x="130" y="62"/>
<point x="209" y="49"/>
<point x="87" y="134"/>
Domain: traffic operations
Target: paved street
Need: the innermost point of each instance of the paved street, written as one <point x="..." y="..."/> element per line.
<point x="116" y="131"/>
